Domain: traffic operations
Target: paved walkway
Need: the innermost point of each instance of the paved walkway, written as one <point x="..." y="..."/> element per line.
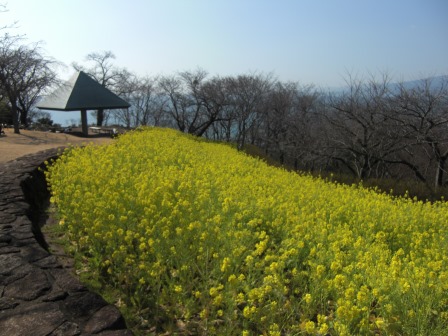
<point x="38" y="297"/>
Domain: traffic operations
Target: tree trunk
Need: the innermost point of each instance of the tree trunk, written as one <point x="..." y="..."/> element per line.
<point x="84" y="125"/>
<point x="242" y="137"/>
<point x="440" y="172"/>
<point x="100" y="117"/>
<point x="22" y="119"/>
<point x="15" y="118"/>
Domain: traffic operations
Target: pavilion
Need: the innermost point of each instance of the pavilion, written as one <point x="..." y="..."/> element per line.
<point x="82" y="93"/>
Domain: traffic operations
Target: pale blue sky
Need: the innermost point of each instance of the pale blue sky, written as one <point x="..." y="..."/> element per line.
<point x="310" y="41"/>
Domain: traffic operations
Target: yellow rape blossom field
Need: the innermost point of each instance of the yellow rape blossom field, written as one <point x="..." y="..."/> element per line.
<point x="198" y="238"/>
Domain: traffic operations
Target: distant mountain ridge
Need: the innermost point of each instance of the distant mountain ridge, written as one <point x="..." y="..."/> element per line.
<point x="435" y="82"/>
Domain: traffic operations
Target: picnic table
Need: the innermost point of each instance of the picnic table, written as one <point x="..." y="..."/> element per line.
<point x="99" y="130"/>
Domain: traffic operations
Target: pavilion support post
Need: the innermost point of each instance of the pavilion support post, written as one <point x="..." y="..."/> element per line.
<point x="85" y="130"/>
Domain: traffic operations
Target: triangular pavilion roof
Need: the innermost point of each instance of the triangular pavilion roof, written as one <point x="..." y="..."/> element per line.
<point x="81" y="92"/>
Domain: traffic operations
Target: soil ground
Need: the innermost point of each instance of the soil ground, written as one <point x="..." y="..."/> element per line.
<point x="14" y="145"/>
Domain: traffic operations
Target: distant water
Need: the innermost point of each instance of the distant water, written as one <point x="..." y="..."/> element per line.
<point x="67" y="118"/>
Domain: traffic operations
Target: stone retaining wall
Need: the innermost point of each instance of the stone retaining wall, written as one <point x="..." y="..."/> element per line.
<point x="37" y="295"/>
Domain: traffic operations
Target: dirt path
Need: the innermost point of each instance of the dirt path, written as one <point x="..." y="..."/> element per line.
<point x="14" y="145"/>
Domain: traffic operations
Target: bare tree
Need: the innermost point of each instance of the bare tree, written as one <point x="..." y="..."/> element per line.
<point x="3" y="9"/>
<point x="5" y="112"/>
<point x="213" y="95"/>
<point x="247" y="95"/>
<point x="193" y="102"/>
<point x="277" y="116"/>
<point x="361" y="137"/>
<point x="217" y="97"/>
<point x="146" y="102"/>
<point x="306" y="126"/>
<point x="422" y="114"/>
<point x="24" y="75"/>
<point x="176" y="103"/>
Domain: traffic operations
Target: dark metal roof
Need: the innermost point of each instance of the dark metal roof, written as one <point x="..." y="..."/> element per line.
<point x="81" y="92"/>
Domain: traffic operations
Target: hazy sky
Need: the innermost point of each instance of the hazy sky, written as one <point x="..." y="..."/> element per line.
<point x="309" y="41"/>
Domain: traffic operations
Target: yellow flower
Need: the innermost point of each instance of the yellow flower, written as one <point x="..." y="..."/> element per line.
<point x="274" y="330"/>
<point x="203" y="314"/>
<point x="309" y="327"/>
<point x="405" y="287"/>
<point x="225" y="264"/>
<point x="240" y="298"/>
<point x="380" y="323"/>
<point x="323" y="329"/>
<point x="320" y="269"/>
<point x="308" y="298"/>
<point x="195" y="214"/>
<point x="217" y="300"/>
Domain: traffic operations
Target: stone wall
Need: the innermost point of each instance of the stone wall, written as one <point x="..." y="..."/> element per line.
<point x="37" y="295"/>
